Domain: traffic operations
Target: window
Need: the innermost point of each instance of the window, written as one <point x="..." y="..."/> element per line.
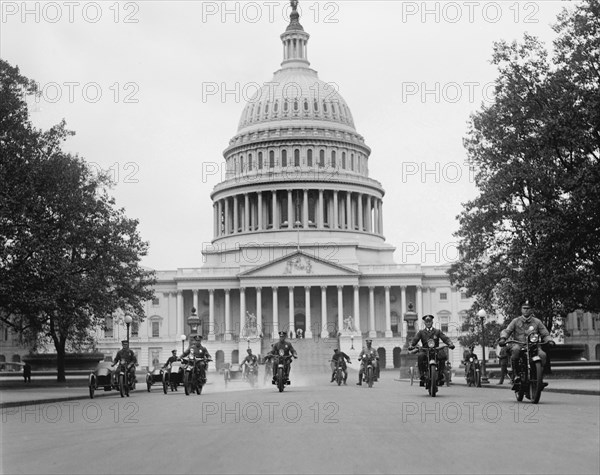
<point x="305" y="105"/>
<point x="276" y="106"/>
<point x="344" y="160"/>
<point x="333" y="159"/>
<point x="108" y="327"/>
<point x="316" y="106"/>
<point x="444" y="324"/>
<point x="295" y="105"/>
<point x="296" y="158"/>
<point x="285" y="106"/>
<point x="463" y="295"/>
<point x="5" y="333"/>
<point x="155" y="329"/>
<point x="135" y="327"/>
<point x="309" y="158"/>
<point x="155" y="302"/>
<point x="284" y="158"/>
<point x="260" y="163"/>
<point x="443" y="296"/>
<point x="324" y="107"/>
<point x="271" y="159"/>
<point x="267" y="108"/>
<point x="249" y="162"/>
<point x="352" y="161"/>
<point x="322" y="158"/>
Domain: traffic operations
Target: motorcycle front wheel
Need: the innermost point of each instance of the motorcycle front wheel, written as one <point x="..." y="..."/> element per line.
<point x="165" y="383"/>
<point x="411" y="370"/>
<point x="339" y="377"/>
<point x="370" y="376"/>
<point x="433" y="381"/>
<point x="477" y="378"/>
<point x="122" y="385"/>
<point x="280" y="380"/>
<point x="187" y="384"/>
<point x="536" y="383"/>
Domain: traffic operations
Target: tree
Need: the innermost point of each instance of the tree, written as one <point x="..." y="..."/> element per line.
<point x="472" y="334"/>
<point x="68" y="257"/>
<point x="532" y="231"/>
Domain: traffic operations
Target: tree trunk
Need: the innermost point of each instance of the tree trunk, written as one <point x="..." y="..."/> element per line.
<point x="60" y="361"/>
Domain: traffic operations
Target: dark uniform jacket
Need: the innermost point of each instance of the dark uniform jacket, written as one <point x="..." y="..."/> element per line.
<point x="171" y="359"/>
<point x="426" y="334"/>
<point x="250" y="359"/>
<point x="340" y="354"/>
<point x="198" y="350"/>
<point x="285" y="346"/>
<point x="519" y="328"/>
<point x="125" y="354"/>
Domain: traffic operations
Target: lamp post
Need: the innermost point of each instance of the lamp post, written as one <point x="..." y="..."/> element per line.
<point x="352" y="341"/>
<point x="482" y="314"/>
<point x="128" y="321"/>
<point x="193" y="322"/>
<point x="182" y="338"/>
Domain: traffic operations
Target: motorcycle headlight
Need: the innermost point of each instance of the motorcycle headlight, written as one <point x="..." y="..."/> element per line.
<point x="471" y="359"/>
<point x="430" y="343"/>
<point x="534" y="338"/>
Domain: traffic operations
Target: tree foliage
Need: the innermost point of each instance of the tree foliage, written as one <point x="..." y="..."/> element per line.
<point x="532" y="232"/>
<point x="68" y="256"/>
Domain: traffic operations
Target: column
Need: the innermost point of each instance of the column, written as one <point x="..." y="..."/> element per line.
<point x="275" y="314"/>
<point x="220" y="215"/>
<point x="246" y="226"/>
<point x="340" y="303"/>
<point x="419" y="302"/>
<point x="195" y="304"/>
<point x="215" y="219"/>
<point x="335" y="210"/>
<point x="403" y="309"/>
<point x="259" y="329"/>
<point x="290" y="212"/>
<point x="291" y="309"/>
<point x="375" y="217"/>
<point x="242" y="310"/>
<point x="228" y="333"/>
<point x="360" y="212"/>
<point x="308" y="332"/>
<point x="226" y="226"/>
<point x="349" y="220"/>
<point x="356" y="309"/>
<point x="172" y="324"/>
<point x="211" y="315"/>
<point x="305" y="210"/>
<point x="321" y="213"/>
<point x="388" y="317"/>
<point x="369" y="229"/>
<point x="275" y="218"/>
<point x="260" y="211"/>
<point x="235" y="215"/>
<point x="180" y="322"/>
<point x="372" y="332"/>
<point x="324" y="331"/>
<point x="380" y="216"/>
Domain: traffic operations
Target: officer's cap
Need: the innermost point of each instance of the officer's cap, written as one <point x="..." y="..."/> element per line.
<point x="124" y="341"/>
<point x="282" y="333"/>
<point x="428" y="317"/>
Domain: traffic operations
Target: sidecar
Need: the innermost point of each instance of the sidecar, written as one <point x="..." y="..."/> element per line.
<point x="101" y="377"/>
<point x="155" y="376"/>
<point x="232" y="373"/>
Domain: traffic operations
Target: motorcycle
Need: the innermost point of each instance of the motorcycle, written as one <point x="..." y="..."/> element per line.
<point x="528" y="375"/>
<point x="252" y="373"/>
<point x="369" y="369"/>
<point x="339" y="372"/>
<point x="122" y="379"/>
<point x="283" y="361"/>
<point x="194" y="373"/>
<point x="474" y="373"/>
<point x="172" y="376"/>
<point x="433" y="368"/>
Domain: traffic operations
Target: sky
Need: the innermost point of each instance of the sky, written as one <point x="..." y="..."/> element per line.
<point x="154" y="91"/>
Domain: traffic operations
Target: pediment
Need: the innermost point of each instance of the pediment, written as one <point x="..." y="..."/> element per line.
<point x="299" y="264"/>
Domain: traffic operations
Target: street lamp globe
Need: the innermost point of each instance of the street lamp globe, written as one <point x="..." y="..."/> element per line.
<point x="482" y="313"/>
<point x="182" y="338"/>
<point x="128" y="321"/>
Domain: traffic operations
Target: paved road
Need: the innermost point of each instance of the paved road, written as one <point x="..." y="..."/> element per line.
<point x="310" y="428"/>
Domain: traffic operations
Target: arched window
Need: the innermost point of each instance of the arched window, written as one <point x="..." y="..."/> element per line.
<point x="352" y="161"/>
<point x="249" y="162"/>
<point x="271" y="159"/>
<point x="285" y="105"/>
<point x="267" y="108"/>
<point x="276" y="106"/>
<point x="296" y="158"/>
<point x="305" y="105"/>
<point x="309" y="158"/>
<point x="344" y="160"/>
<point x="260" y="161"/>
<point x="295" y="105"/>
<point x="322" y="158"/>
<point x="284" y="158"/>
<point x="316" y="106"/>
<point x="333" y="159"/>
<point x="241" y="164"/>
<point x="324" y="107"/>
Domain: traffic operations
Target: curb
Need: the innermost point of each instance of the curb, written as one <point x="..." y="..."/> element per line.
<point x="33" y="402"/>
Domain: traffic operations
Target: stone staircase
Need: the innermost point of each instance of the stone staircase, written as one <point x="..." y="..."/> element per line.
<point x="313" y="355"/>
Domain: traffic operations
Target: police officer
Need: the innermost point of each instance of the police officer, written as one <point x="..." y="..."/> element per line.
<point x="288" y="349"/>
<point x="129" y="357"/>
<point x="249" y="360"/>
<point x="519" y="329"/>
<point x="467" y="355"/>
<point x="339" y="355"/>
<point x="200" y="352"/>
<point x="170" y="361"/>
<point x="368" y="350"/>
<point x="423" y="336"/>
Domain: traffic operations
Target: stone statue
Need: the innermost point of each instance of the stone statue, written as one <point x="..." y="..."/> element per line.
<point x="349" y="324"/>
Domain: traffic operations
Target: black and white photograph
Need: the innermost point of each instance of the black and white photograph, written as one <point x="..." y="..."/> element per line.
<point x="300" y="236"/>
